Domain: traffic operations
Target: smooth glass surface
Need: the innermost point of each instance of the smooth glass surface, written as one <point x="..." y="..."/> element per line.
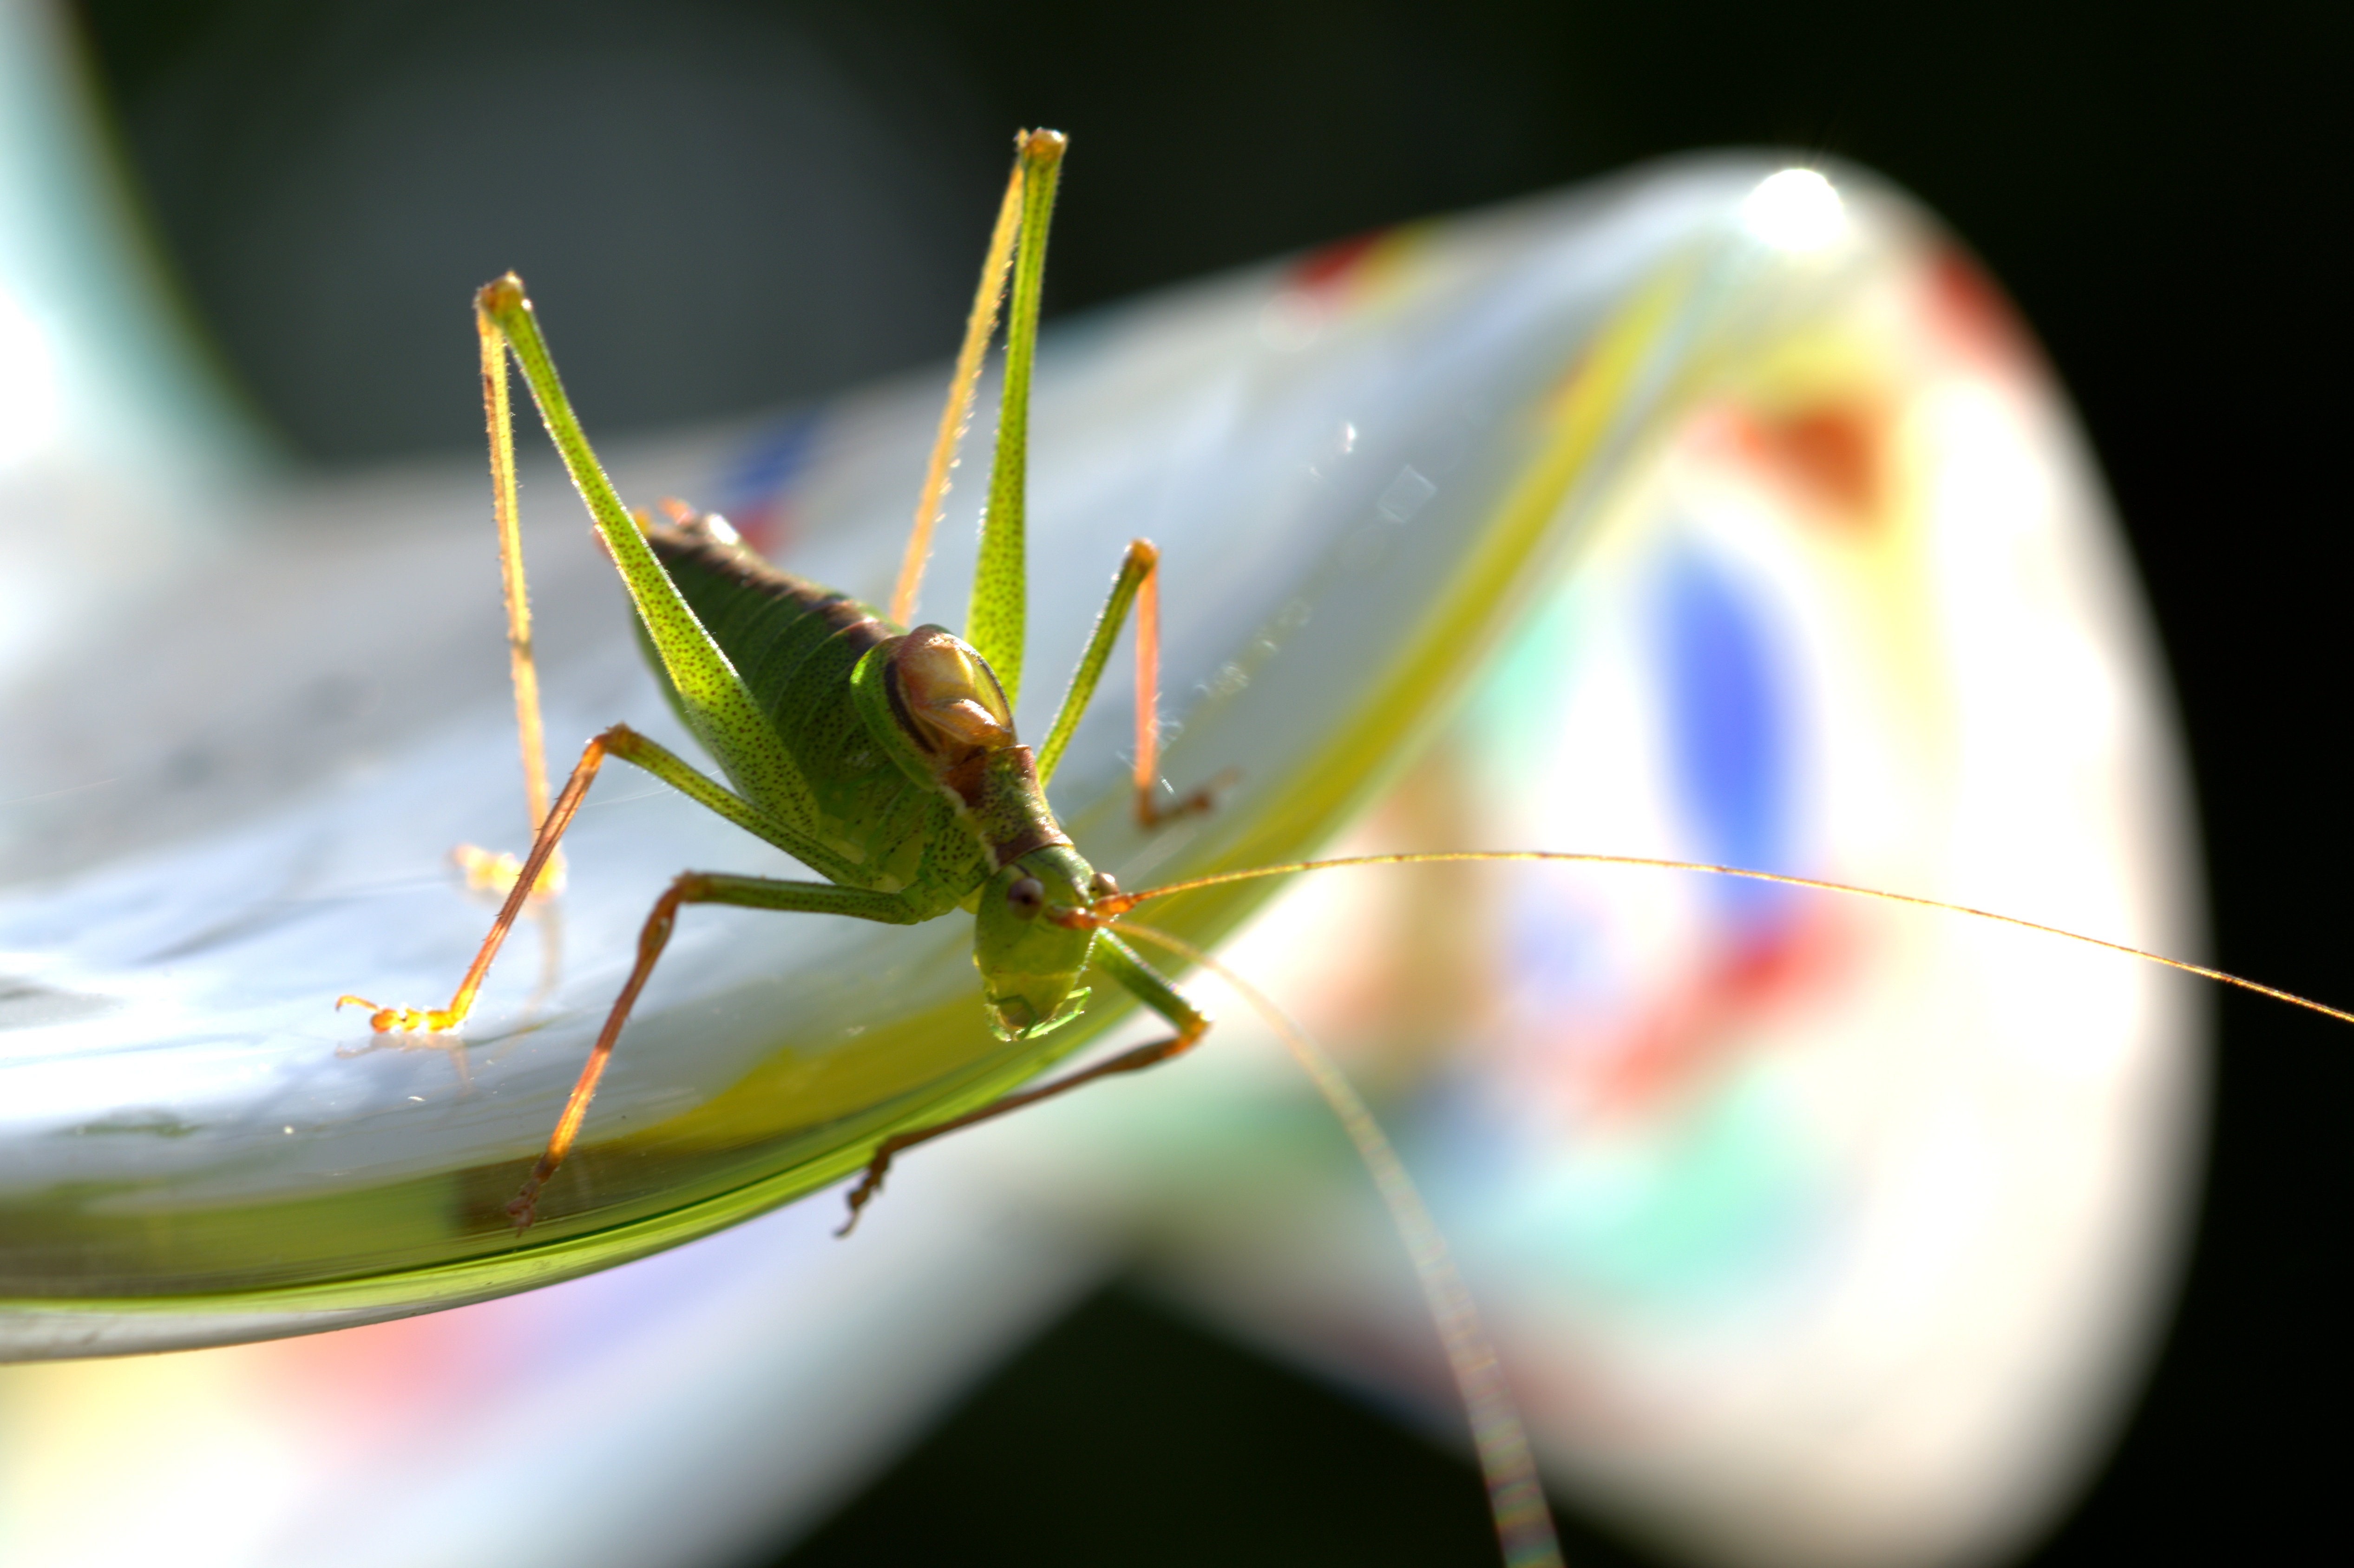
<point x="1361" y="465"/>
<point x="1746" y="520"/>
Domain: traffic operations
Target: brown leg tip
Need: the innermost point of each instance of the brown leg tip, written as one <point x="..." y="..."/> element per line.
<point x="868" y="1185"/>
<point x="1151" y="813"/>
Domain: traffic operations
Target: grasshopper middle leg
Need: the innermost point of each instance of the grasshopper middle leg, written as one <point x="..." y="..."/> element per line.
<point x="1137" y="587"/>
<point x="693" y="887"/>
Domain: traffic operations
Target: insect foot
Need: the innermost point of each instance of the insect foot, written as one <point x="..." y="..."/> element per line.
<point x="870" y="1183"/>
<point x="384" y="1019"/>
<point x="1199" y="802"/>
<point x="497" y="871"/>
<point x="523" y="1207"/>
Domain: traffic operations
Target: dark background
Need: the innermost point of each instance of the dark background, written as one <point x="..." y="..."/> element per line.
<point x="732" y="204"/>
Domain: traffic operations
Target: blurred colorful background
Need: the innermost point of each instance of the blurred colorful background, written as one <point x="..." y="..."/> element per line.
<point x="316" y="180"/>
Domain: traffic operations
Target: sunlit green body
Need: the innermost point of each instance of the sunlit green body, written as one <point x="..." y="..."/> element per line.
<point x="793" y="1083"/>
<point x="796" y="644"/>
<point x="879" y="800"/>
<point x="884" y="760"/>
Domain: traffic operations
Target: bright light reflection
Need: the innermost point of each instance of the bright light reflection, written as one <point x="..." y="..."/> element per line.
<point x="1796" y="209"/>
<point x="27" y="385"/>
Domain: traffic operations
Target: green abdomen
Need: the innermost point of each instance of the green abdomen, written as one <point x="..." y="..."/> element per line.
<point x="794" y="643"/>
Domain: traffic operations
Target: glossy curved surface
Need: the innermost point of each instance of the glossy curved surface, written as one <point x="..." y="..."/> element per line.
<point x="1361" y="465"/>
<point x="1811" y="1235"/>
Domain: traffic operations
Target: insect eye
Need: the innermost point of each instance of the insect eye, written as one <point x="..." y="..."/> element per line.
<point x="1026" y="896"/>
<point x="1102" y="886"/>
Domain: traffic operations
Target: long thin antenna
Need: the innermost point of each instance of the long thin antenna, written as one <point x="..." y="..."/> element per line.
<point x="956" y="414"/>
<point x="1120" y="903"/>
<point x="1523" y="1526"/>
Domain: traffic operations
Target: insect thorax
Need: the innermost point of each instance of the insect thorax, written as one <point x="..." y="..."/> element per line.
<point x="936" y="707"/>
<point x="796" y="645"/>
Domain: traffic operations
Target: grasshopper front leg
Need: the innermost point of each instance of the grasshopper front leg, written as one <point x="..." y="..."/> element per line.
<point x="1143" y="981"/>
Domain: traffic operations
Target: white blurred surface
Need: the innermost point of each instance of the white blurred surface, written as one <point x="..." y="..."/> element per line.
<point x="1809" y="1235"/>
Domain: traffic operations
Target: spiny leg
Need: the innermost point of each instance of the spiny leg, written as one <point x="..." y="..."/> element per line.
<point x="1143" y="981"/>
<point x="956" y="414"/>
<point x="384" y="1020"/>
<point x="1138" y="584"/>
<point x="484" y="869"/>
<point x="1149" y="812"/>
<point x="691" y="888"/>
<point x="713" y="698"/>
<point x="627" y="744"/>
<point x="995" y="614"/>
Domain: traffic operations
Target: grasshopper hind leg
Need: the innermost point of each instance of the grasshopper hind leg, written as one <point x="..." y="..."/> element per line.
<point x="496" y="871"/>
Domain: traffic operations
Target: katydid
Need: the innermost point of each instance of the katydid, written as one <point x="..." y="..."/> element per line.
<point x="882" y="758"/>
<point x="886" y="759"/>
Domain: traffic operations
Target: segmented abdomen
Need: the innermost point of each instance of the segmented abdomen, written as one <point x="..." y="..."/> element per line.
<point x="795" y="643"/>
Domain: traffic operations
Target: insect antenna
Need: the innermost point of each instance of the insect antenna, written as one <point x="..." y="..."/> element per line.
<point x="1515" y="1500"/>
<point x="1118" y="903"/>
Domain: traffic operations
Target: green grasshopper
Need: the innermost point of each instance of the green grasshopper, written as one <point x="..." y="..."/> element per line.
<point x="884" y="760"/>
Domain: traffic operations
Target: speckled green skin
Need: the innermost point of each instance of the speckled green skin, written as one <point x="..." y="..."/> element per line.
<point x="795" y="644"/>
<point x="884" y="760"/>
<point x="899" y="820"/>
